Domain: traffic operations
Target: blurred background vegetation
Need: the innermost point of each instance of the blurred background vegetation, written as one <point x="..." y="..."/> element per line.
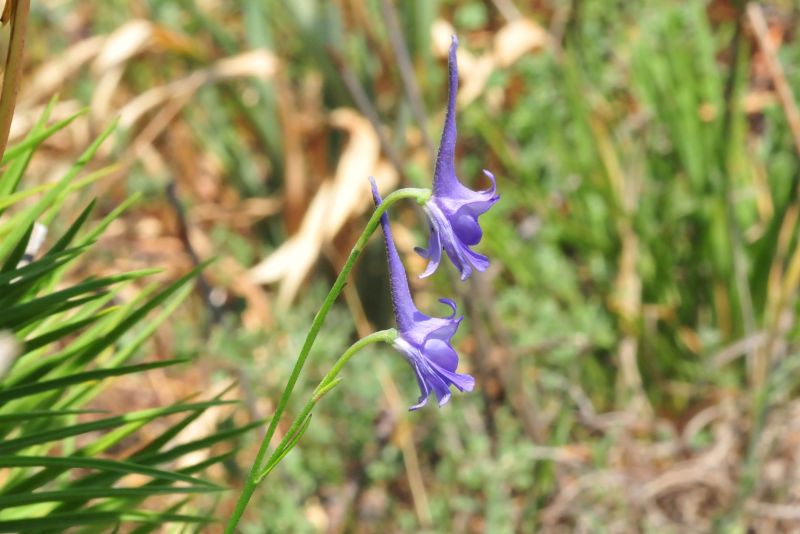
<point x="635" y="340"/>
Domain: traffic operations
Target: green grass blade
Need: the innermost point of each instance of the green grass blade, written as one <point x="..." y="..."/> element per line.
<point x="101" y="464"/>
<point x="18" y="252"/>
<point x="13" y="445"/>
<point x="64" y="241"/>
<point x="24" y="416"/>
<point x="23" y="499"/>
<point x="22" y="313"/>
<point x="61" y="521"/>
<point x="78" y="378"/>
<point x="52" y="336"/>
<point x="35" y="138"/>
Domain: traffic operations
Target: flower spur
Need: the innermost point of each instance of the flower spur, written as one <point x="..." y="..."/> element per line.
<point x="424" y="341"/>
<point x="453" y="209"/>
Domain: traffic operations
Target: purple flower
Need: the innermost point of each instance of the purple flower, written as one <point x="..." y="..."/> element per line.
<point x="453" y="209"/>
<point x="424" y="341"/>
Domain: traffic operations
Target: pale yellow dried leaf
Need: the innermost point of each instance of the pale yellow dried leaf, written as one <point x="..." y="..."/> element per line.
<point x="337" y="201"/>
<point x="351" y="194"/>
<point x="49" y="78"/>
<point x="474" y="76"/>
<point x="516" y="39"/>
<point x="292" y="260"/>
<point x="122" y="44"/>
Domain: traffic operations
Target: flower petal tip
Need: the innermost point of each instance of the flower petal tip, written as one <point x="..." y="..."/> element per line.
<point x="469" y="383"/>
<point x="452" y="305"/>
<point x="493" y="189"/>
<point x="432" y="266"/>
<point x="422" y="401"/>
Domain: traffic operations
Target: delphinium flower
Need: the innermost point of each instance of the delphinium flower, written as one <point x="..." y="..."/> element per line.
<point x="453" y="208"/>
<point x="424" y="341"/>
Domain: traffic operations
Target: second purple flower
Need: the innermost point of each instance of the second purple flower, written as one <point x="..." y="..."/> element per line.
<point x="453" y="208"/>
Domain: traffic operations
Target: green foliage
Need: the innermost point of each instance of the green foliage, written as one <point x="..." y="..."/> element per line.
<point x="63" y="342"/>
<point x="629" y="214"/>
<point x="642" y="206"/>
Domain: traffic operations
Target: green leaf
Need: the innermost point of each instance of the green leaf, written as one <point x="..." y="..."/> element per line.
<point x="18" y="252"/>
<point x="34" y="271"/>
<point x="42" y="312"/>
<point x="22" y="499"/>
<point x="192" y="446"/>
<point x="10" y="200"/>
<point x="280" y="454"/>
<point x="168" y="435"/>
<point x="138" y="315"/>
<point x="150" y="527"/>
<point x="131" y="345"/>
<point x="52" y="336"/>
<point x="13" y="445"/>
<point x="35" y="138"/>
<point x="24" y="416"/>
<point x="60" y="521"/>
<point x="52" y="200"/>
<point x="64" y="382"/>
<point x="101" y="464"/>
<point x="135" y="501"/>
<point x="23" y="313"/>
<point x="100" y="227"/>
<point x="64" y="241"/>
<point x="159" y="457"/>
<point x="13" y="174"/>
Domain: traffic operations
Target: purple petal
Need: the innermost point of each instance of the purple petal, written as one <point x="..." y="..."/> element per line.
<point x="440" y="388"/>
<point x="422" y="401"/>
<point x="493" y="190"/>
<point x="441" y="353"/>
<point x="476" y="203"/>
<point x="466" y="228"/>
<point x="430" y="327"/>
<point x="463" y="382"/>
<point x="434" y="363"/>
<point x="479" y="261"/>
<point x="404" y="308"/>
<point x="424" y="389"/>
<point x="436" y="327"/>
<point x="454" y="224"/>
<point x="455" y="251"/>
<point x="432" y="253"/>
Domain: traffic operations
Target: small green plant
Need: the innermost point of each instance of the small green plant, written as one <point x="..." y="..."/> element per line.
<point x="61" y="341"/>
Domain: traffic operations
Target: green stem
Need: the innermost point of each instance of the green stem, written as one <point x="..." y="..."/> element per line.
<point x="325" y="385"/>
<point x="421" y="195"/>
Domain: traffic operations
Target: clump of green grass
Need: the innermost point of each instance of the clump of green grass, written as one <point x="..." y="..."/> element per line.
<point x="64" y="340"/>
<point x="641" y="313"/>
